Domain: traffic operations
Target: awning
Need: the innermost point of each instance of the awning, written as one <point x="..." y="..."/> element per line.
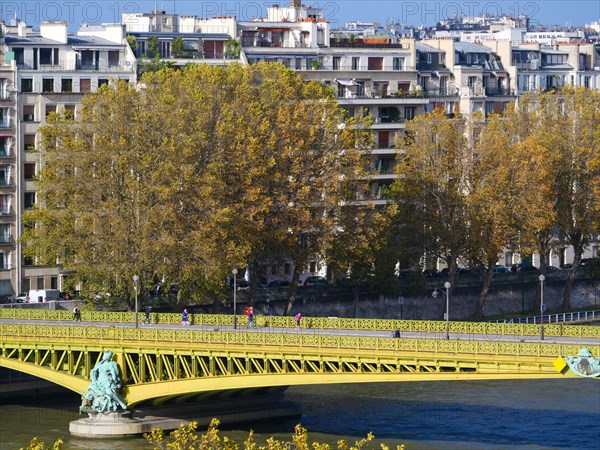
<point x="346" y="82"/>
<point x="501" y="75"/>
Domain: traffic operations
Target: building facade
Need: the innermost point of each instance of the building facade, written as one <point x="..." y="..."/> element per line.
<point x="44" y="72"/>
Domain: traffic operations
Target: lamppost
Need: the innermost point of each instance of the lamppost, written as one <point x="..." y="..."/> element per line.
<point x="447" y="286"/>
<point x="234" y="272"/>
<point x="135" y="280"/>
<point x="542" y="306"/>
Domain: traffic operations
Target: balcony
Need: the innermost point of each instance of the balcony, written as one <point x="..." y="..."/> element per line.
<point x="358" y="43"/>
<point x="499" y="92"/>
<point x="72" y="66"/>
<point x="448" y="92"/>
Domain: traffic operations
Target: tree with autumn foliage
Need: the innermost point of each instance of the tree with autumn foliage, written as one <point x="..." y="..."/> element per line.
<point x="509" y="191"/>
<point x="433" y="186"/>
<point x="571" y="133"/>
<point x="191" y="174"/>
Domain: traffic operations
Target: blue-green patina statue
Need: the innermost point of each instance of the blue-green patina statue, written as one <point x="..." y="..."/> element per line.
<point x="104" y="394"/>
<point x="584" y="364"/>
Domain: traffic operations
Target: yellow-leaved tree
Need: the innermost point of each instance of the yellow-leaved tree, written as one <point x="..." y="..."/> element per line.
<point x="192" y="173"/>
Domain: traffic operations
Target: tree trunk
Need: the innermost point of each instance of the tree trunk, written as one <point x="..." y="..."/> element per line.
<point x="487" y="281"/>
<point x="355" y="295"/>
<point x="254" y="269"/>
<point x="293" y="289"/>
<point x="578" y="243"/>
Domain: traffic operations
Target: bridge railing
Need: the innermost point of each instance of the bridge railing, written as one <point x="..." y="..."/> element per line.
<point x="577" y="316"/>
<point x="217" y="321"/>
<point x="185" y="340"/>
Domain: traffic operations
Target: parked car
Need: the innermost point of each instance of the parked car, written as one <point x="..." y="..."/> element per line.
<point x="316" y="281"/>
<point x="501" y="269"/>
<point x="21" y="298"/>
<point x="279" y="283"/>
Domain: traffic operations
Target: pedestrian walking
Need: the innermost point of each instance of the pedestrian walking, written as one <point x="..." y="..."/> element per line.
<point x="397" y="333"/>
<point x="298" y="317"/>
<point x="184" y="318"/>
<point x="147" y="319"/>
<point x="250" y="321"/>
<point x="76" y="314"/>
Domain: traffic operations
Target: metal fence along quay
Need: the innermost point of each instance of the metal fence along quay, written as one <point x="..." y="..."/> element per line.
<point x="326" y="323"/>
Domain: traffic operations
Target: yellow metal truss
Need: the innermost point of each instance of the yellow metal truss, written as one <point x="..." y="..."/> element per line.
<point x="158" y="364"/>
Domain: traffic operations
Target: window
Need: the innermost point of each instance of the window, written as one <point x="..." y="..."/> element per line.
<point x="27" y="85"/>
<point x="87" y="59"/>
<point x="409" y="112"/>
<point x="4" y="261"/>
<point x="29" y="200"/>
<point x="113" y="58"/>
<point x="29" y="142"/>
<point x="398" y="64"/>
<point x="375" y="63"/>
<point x="70" y="111"/>
<point x="102" y="81"/>
<point x="5" y="118"/>
<point x="4" y="233"/>
<point x="56" y="60"/>
<point x="54" y="282"/>
<point x="19" y="55"/>
<point x="5" y="145"/>
<point x="85" y="85"/>
<point x="45" y="56"/>
<point x="4" y="204"/>
<point x="355" y="63"/>
<point x="442" y="59"/>
<point x="337" y="61"/>
<point x="287" y="268"/>
<point x="313" y="267"/>
<point x="66" y="85"/>
<point x="29" y="171"/>
<point x="50" y="109"/>
<point x="586" y="81"/>
<point x="48" y="85"/>
<point x="40" y="282"/>
<point x="443" y="85"/>
<point x="28" y="113"/>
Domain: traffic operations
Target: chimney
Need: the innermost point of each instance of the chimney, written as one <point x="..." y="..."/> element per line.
<point x="21" y="29"/>
<point x="56" y="31"/>
<point x="296" y="3"/>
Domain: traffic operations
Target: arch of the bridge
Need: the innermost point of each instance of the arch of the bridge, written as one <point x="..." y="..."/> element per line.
<point x="165" y="373"/>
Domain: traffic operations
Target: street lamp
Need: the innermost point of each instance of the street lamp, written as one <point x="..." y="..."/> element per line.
<point x="447" y="286"/>
<point x="135" y="280"/>
<point x="234" y="272"/>
<point x="542" y="306"/>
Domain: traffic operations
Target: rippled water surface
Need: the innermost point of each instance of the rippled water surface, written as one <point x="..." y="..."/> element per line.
<point x="531" y="414"/>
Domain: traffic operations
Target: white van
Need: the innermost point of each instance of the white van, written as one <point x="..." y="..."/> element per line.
<point x="43" y="295"/>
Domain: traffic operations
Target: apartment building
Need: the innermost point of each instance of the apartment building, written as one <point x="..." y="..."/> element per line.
<point x="44" y="72"/>
<point x="8" y="186"/>
<point x="182" y="40"/>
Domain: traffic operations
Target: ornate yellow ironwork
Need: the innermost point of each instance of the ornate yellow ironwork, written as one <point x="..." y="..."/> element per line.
<point x="219" y="320"/>
<point x="157" y="363"/>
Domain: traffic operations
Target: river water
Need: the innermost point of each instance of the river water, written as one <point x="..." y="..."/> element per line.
<point x="519" y="414"/>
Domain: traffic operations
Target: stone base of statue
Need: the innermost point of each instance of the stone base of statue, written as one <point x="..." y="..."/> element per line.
<point x="169" y="417"/>
<point x="120" y="423"/>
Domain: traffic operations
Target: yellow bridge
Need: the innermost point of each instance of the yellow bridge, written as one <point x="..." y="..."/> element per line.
<point x="168" y="362"/>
